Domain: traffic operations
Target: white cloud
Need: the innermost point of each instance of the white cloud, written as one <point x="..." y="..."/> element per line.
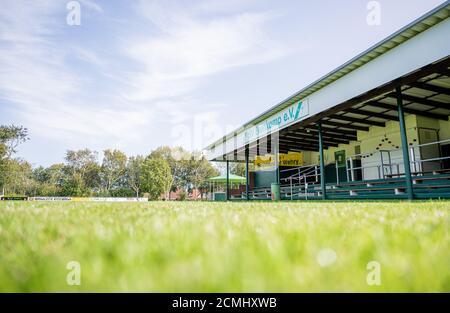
<point x="91" y="5"/>
<point x="189" y="49"/>
<point x="89" y="56"/>
<point x="60" y="101"/>
<point x="44" y="90"/>
<point x="25" y="22"/>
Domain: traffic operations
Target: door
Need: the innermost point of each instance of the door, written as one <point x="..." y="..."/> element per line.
<point x="429" y="135"/>
<point x="445" y="152"/>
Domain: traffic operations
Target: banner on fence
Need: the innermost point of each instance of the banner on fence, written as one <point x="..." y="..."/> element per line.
<point x="49" y="198"/>
<point x="112" y="199"/>
<point x="91" y="199"/>
<point x="267" y="162"/>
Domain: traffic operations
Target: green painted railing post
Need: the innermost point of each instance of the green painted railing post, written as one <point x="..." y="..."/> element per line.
<point x="247" y="196"/>
<point x="276" y="152"/>
<point x="322" y="163"/>
<point x="406" y="163"/>
<point x="228" y="181"/>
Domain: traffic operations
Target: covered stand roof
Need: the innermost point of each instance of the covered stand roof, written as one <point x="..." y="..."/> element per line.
<point x="361" y="93"/>
<point x="223" y="179"/>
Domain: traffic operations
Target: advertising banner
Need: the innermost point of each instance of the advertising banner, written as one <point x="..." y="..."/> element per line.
<point x="267" y="162"/>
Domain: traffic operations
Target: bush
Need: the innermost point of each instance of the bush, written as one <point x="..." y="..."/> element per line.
<point x="182" y="195"/>
<point x="123" y="192"/>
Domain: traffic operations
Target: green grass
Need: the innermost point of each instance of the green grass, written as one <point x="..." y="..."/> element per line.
<point x="225" y="247"/>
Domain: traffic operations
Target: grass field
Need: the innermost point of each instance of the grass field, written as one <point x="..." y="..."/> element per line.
<point x="220" y="247"/>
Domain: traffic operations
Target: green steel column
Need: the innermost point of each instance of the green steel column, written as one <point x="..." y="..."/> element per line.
<point x="228" y="181"/>
<point x="322" y="163"/>
<point x="246" y="173"/>
<point x="406" y="163"/>
<point x="276" y="153"/>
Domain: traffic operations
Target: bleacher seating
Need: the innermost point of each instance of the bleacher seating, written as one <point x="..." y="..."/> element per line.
<point x="424" y="187"/>
<point x="431" y="186"/>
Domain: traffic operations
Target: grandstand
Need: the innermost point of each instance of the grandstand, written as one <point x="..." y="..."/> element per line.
<point x="377" y="127"/>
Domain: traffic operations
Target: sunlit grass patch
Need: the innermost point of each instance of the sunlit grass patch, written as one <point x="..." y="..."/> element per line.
<point x="204" y="246"/>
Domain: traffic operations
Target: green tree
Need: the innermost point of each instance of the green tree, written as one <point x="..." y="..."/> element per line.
<point x="199" y="170"/>
<point x="49" y="181"/>
<point x="82" y="172"/>
<point x="156" y="177"/>
<point x="81" y="160"/>
<point x="74" y="185"/>
<point x="18" y="179"/>
<point x="10" y="138"/>
<point x="2" y="151"/>
<point x="3" y="167"/>
<point x="238" y="169"/>
<point x="41" y="174"/>
<point x="133" y="173"/>
<point x="113" y="168"/>
<point x="189" y="170"/>
<point x="57" y="174"/>
<point x="178" y="159"/>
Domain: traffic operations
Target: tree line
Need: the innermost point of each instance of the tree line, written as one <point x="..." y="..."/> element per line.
<point x="82" y="174"/>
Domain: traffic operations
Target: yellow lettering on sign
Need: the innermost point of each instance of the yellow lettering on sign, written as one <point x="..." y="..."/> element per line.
<point x="291" y="159"/>
<point x="265" y="162"/>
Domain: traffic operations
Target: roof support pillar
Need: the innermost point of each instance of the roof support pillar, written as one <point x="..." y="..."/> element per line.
<point x="246" y="173"/>
<point x="228" y="181"/>
<point x="276" y="151"/>
<point x="406" y="163"/>
<point x="322" y="163"/>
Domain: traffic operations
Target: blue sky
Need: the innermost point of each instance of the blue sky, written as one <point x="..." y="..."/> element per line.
<point x="139" y="74"/>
